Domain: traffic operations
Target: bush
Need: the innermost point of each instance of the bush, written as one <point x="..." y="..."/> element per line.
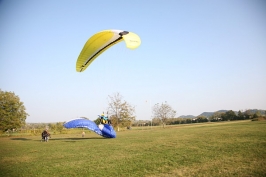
<point x="258" y="119"/>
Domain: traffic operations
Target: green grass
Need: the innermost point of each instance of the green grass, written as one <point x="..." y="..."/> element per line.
<point x="213" y="149"/>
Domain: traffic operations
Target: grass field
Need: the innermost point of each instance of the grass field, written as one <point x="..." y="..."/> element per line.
<point x="236" y="148"/>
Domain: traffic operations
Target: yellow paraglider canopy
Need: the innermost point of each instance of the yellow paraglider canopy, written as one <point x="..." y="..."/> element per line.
<point x="100" y="42"/>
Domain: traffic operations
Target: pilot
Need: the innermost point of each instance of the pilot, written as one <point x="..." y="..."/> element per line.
<point x="104" y="119"/>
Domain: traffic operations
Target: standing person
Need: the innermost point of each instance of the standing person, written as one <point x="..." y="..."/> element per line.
<point x="83" y="134"/>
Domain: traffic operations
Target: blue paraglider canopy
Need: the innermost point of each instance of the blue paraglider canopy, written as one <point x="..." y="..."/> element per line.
<point x="105" y="130"/>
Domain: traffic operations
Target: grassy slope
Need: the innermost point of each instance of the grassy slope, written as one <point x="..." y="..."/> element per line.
<point x="213" y="149"/>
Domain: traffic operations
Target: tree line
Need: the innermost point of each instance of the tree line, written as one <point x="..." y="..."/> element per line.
<point x="13" y="114"/>
<point x="121" y="113"/>
<point x="215" y="117"/>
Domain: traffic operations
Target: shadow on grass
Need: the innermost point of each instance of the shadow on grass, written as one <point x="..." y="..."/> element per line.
<point x="72" y="140"/>
<point x="21" y="139"/>
<point x="61" y="139"/>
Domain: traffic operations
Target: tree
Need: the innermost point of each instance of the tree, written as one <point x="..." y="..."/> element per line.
<point x="156" y="121"/>
<point x="12" y="111"/>
<point x="201" y="119"/>
<point x="229" y="115"/>
<point x="240" y="115"/>
<point x="248" y="114"/>
<point x="121" y="112"/>
<point x="163" y="112"/>
<point x="257" y="114"/>
<point x="188" y="121"/>
<point x="217" y="116"/>
<point x="59" y="126"/>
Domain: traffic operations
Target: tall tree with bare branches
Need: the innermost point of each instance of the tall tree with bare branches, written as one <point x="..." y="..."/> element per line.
<point x="122" y="114"/>
<point x="163" y="112"/>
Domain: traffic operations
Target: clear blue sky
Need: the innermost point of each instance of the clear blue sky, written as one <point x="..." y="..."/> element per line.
<point x="196" y="55"/>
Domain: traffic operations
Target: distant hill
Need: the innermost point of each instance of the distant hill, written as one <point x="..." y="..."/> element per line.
<point x="209" y="114"/>
<point x="187" y="116"/>
<point x="261" y="111"/>
<point x="252" y="111"/>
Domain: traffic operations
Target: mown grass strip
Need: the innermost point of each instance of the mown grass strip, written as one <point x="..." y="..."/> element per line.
<point x="216" y="149"/>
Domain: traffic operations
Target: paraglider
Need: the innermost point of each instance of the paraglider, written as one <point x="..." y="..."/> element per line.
<point x="94" y="47"/>
<point x="100" y="42"/>
<point x="105" y="130"/>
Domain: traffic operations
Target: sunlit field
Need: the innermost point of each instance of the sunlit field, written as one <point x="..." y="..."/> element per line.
<point x="236" y="148"/>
